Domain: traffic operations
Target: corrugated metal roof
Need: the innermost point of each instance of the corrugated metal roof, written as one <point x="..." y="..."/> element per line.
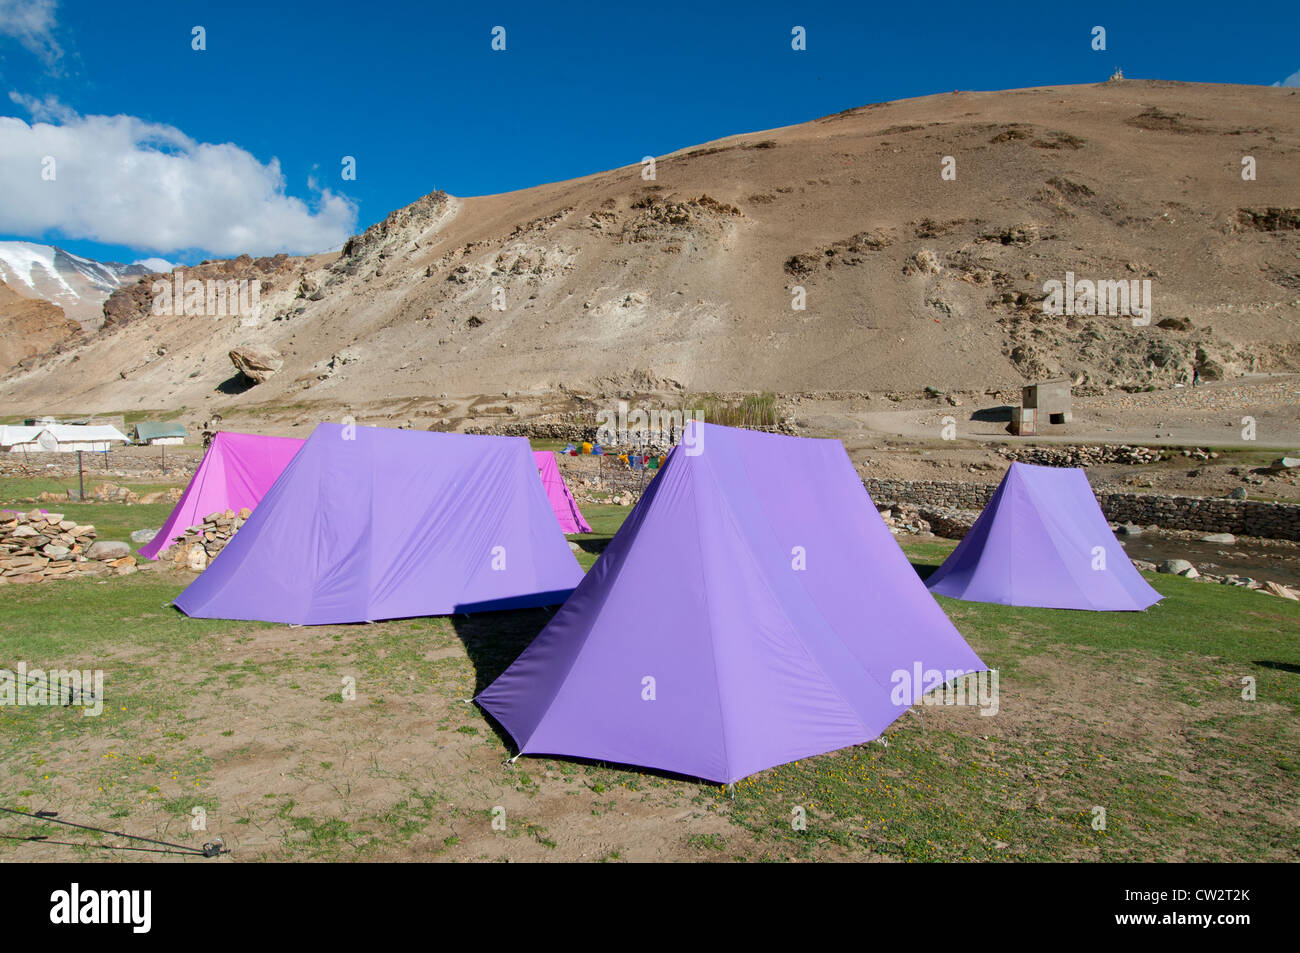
<point x="152" y="430"/>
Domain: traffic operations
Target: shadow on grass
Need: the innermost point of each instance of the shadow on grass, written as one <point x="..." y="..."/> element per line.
<point x="594" y="545"/>
<point x="924" y="570"/>
<point x="495" y="639"/>
<point x="1291" y="667"/>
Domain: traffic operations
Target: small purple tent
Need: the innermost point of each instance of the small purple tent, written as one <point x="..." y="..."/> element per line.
<point x="368" y="523"/>
<point x="236" y="471"/>
<point x="557" y="491"/>
<point x="1043" y="541"/>
<point x="752" y="610"/>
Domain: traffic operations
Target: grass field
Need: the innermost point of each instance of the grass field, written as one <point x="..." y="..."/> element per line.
<point x="1138" y="713"/>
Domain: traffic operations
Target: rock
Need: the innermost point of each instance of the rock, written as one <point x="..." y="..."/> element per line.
<point x="56" y="552"/>
<point x="1275" y="589"/>
<point x="1226" y="539"/>
<point x="142" y="536"/>
<point x="1239" y="493"/>
<point x="1178" y="567"/>
<point x="1141" y="565"/>
<point x="1130" y="529"/>
<point x="196" y="560"/>
<point x="923" y="262"/>
<point x="258" y="364"/>
<point x="107" y="549"/>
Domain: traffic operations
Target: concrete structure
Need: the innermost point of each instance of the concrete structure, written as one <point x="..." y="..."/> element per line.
<point x="1024" y="421"/>
<point x="1051" y="399"/>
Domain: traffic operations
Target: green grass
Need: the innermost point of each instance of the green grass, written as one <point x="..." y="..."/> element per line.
<point x="604" y="520"/>
<point x="749" y="410"/>
<point x="947" y="794"/>
<point x="111" y="520"/>
<point x="1139" y="713"/>
<point x="13" y="489"/>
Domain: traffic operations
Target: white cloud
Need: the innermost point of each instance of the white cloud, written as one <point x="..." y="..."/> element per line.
<point x="43" y="110"/>
<point x="1292" y="80"/>
<point x="31" y="23"/>
<point x="124" y="181"/>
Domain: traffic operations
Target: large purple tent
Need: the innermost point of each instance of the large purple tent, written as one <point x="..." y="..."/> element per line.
<point x="752" y="610"/>
<point x="368" y="523"/>
<point x="1043" y="541"/>
<point x="235" y="472"/>
<point x="557" y="491"/>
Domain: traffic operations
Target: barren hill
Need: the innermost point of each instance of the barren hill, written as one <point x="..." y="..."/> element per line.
<point x="79" y="286"/>
<point x="30" y="326"/>
<point x="615" y="281"/>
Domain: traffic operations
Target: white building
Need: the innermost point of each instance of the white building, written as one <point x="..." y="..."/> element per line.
<point x="59" y="438"/>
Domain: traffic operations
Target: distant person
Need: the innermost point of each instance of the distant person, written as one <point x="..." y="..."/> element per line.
<point x="1196" y="377"/>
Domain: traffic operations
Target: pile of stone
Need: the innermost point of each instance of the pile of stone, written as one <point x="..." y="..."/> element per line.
<point x="949" y="522"/>
<point x="201" y="544"/>
<point x="1081" y="456"/>
<point x="592" y="491"/>
<point x="904" y="518"/>
<point x="37" y="546"/>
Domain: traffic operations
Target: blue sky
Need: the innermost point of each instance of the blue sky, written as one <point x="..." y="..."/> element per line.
<point x="416" y="94"/>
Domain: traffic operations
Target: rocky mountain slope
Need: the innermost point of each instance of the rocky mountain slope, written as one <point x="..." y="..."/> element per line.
<point x="617" y="281"/>
<point x="79" y="286"/>
<point x="30" y="327"/>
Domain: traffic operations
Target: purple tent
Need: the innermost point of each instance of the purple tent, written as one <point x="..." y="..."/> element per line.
<point x="557" y="491"/>
<point x="1043" y="541"/>
<point x="236" y="471"/>
<point x="752" y="610"/>
<point x="367" y="523"/>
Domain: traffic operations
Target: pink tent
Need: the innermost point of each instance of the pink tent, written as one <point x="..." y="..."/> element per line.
<point x="557" y="491"/>
<point x="236" y="472"/>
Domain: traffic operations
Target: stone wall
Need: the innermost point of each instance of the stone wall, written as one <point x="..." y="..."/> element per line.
<point x="958" y="496"/>
<point x="38" y="546"/>
<point x="1196" y="513"/>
